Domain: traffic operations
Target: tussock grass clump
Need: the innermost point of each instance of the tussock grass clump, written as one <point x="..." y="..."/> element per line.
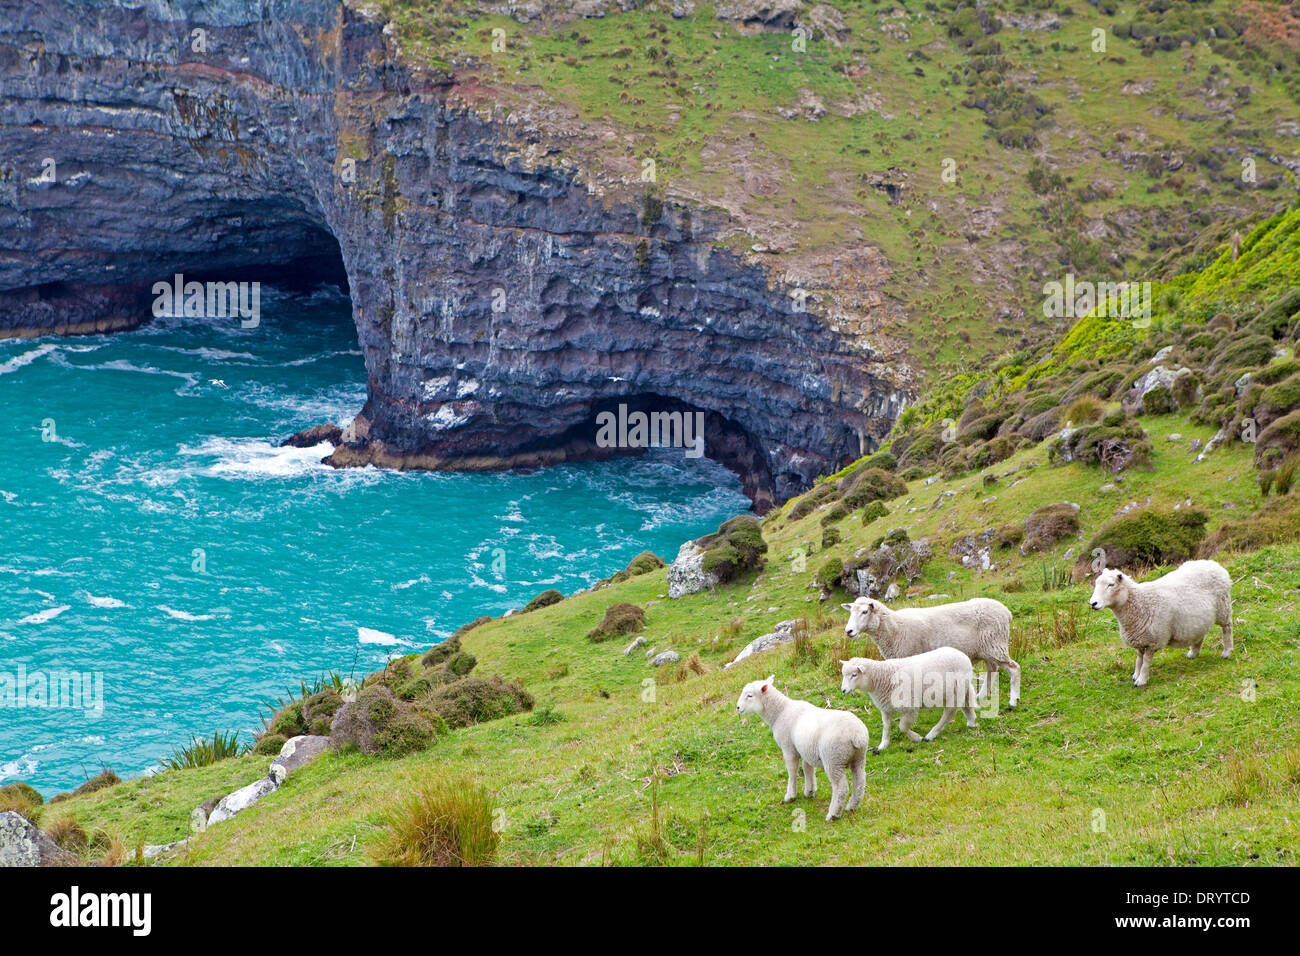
<point x="621" y="618"/>
<point x="67" y="833"/>
<point x="204" y="753"/>
<point x="22" y="799"/>
<point x="101" y="781"/>
<point x="1247" y="779"/>
<point x="447" y="823"/>
<point x="1084" y="409"/>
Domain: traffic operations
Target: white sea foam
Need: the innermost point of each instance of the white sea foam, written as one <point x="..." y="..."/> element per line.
<point x="22" y="768"/>
<point x="49" y="614"/>
<point x="252" y="458"/>
<point x="26" y="358"/>
<point x="422" y="579"/>
<point x="103" y="601"/>
<point x="368" y="635"/>
<point x="183" y="615"/>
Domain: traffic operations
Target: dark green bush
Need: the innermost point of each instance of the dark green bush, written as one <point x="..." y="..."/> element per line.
<point x="1049" y="524"/>
<point x="874" y="510"/>
<point x="271" y="745"/>
<point x="1149" y="537"/>
<point x="545" y="599"/>
<point x="828" y="575"/>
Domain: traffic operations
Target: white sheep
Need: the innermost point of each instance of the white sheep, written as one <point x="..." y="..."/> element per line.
<point x="830" y="739"/>
<point x="902" y="686"/>
<point x="1176" y="610"/>
<point x="980" y="628"/>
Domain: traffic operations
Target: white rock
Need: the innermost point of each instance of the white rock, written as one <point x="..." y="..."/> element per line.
<point x="687" y="575"/>
<point x="242" y="799"/>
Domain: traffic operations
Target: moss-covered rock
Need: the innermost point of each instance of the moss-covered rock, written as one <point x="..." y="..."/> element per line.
<point x="736" y="547"/>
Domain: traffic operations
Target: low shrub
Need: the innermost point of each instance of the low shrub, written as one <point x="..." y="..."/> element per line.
<point x="620" y="618"/>
<point x="1149" y="537"/>
<point x="1049" y="524"/>
<point x="270" y="745"/>
<point x="545" y="599"/>
<point x="874" y="510"/>
<point x="829" y="574"/>
<point x="475" y="700"/>
<point x="643" y="563"/>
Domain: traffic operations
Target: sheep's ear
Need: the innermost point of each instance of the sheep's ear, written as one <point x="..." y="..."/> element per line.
<point x="843" y="661"/>
<point x="1119" y="575"/>
<point x="847" y="607"/>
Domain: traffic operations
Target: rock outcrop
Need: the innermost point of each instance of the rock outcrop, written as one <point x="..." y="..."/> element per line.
<point x="22" y="844"/>
<point x="501" y="303"/>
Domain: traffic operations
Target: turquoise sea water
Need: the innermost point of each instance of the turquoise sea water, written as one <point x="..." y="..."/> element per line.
<point x="153" y="532"/>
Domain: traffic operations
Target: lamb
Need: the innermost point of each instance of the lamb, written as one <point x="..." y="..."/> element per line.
<point x="830" y="739"/>
<point x="1176" y="610"/>
<point x="938" y="678"/>
<point x="980" y="628"/>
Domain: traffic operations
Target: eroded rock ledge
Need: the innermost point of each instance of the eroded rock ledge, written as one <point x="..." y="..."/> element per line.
<point x="499" y="302"/>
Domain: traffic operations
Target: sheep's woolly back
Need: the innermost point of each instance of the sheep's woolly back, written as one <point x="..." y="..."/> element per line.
<point x="1178" y="608"/>
<point x="980" y="628"/>
<point x="892" y="682"/>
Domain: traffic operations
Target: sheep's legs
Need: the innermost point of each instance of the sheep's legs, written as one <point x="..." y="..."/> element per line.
<point x="885" y="720"/>
<point x="1013" y="696"/>
<point x="809" y="780"/>
<point x="905" y="725"/>
<point x="1194" y="650"/>
<point x="937" y="729"/>
<point x="1137" y="666"/>
<point x="791" y="772"/>
<point x="1144" y="672"/>
<point x="969" y="709"/>
<point x="1227" y="638"/>
<point x="839" y="792"/>
<point x="859" y="777"/>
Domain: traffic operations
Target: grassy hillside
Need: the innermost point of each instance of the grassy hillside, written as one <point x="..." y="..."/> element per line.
<point x="921" y="168"/>
<point x="1199" y="767"/>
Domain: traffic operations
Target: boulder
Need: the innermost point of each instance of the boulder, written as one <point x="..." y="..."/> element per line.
<point x="639" y="642"/>
<point x="295" y="754"/>
<point x="22" y="844"/>
<point x="1161" y="390"/>
<point x="782" y="634"/>
<point x="687" y="574"/>
<point x="667" y="657"/>
<point x="242" y="799"/>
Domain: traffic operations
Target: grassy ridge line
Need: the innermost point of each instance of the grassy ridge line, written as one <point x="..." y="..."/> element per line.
<point x="1185" y="771"/>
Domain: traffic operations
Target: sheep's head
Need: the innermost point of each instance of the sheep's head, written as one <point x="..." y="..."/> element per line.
<point x="1111" y="590"/>
<point x="851" y="672"/>
<point x="864" y="613"/>
<point x="753" y="696"/>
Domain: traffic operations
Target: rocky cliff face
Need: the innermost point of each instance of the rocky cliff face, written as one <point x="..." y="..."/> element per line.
<point x="501" y="304"/>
